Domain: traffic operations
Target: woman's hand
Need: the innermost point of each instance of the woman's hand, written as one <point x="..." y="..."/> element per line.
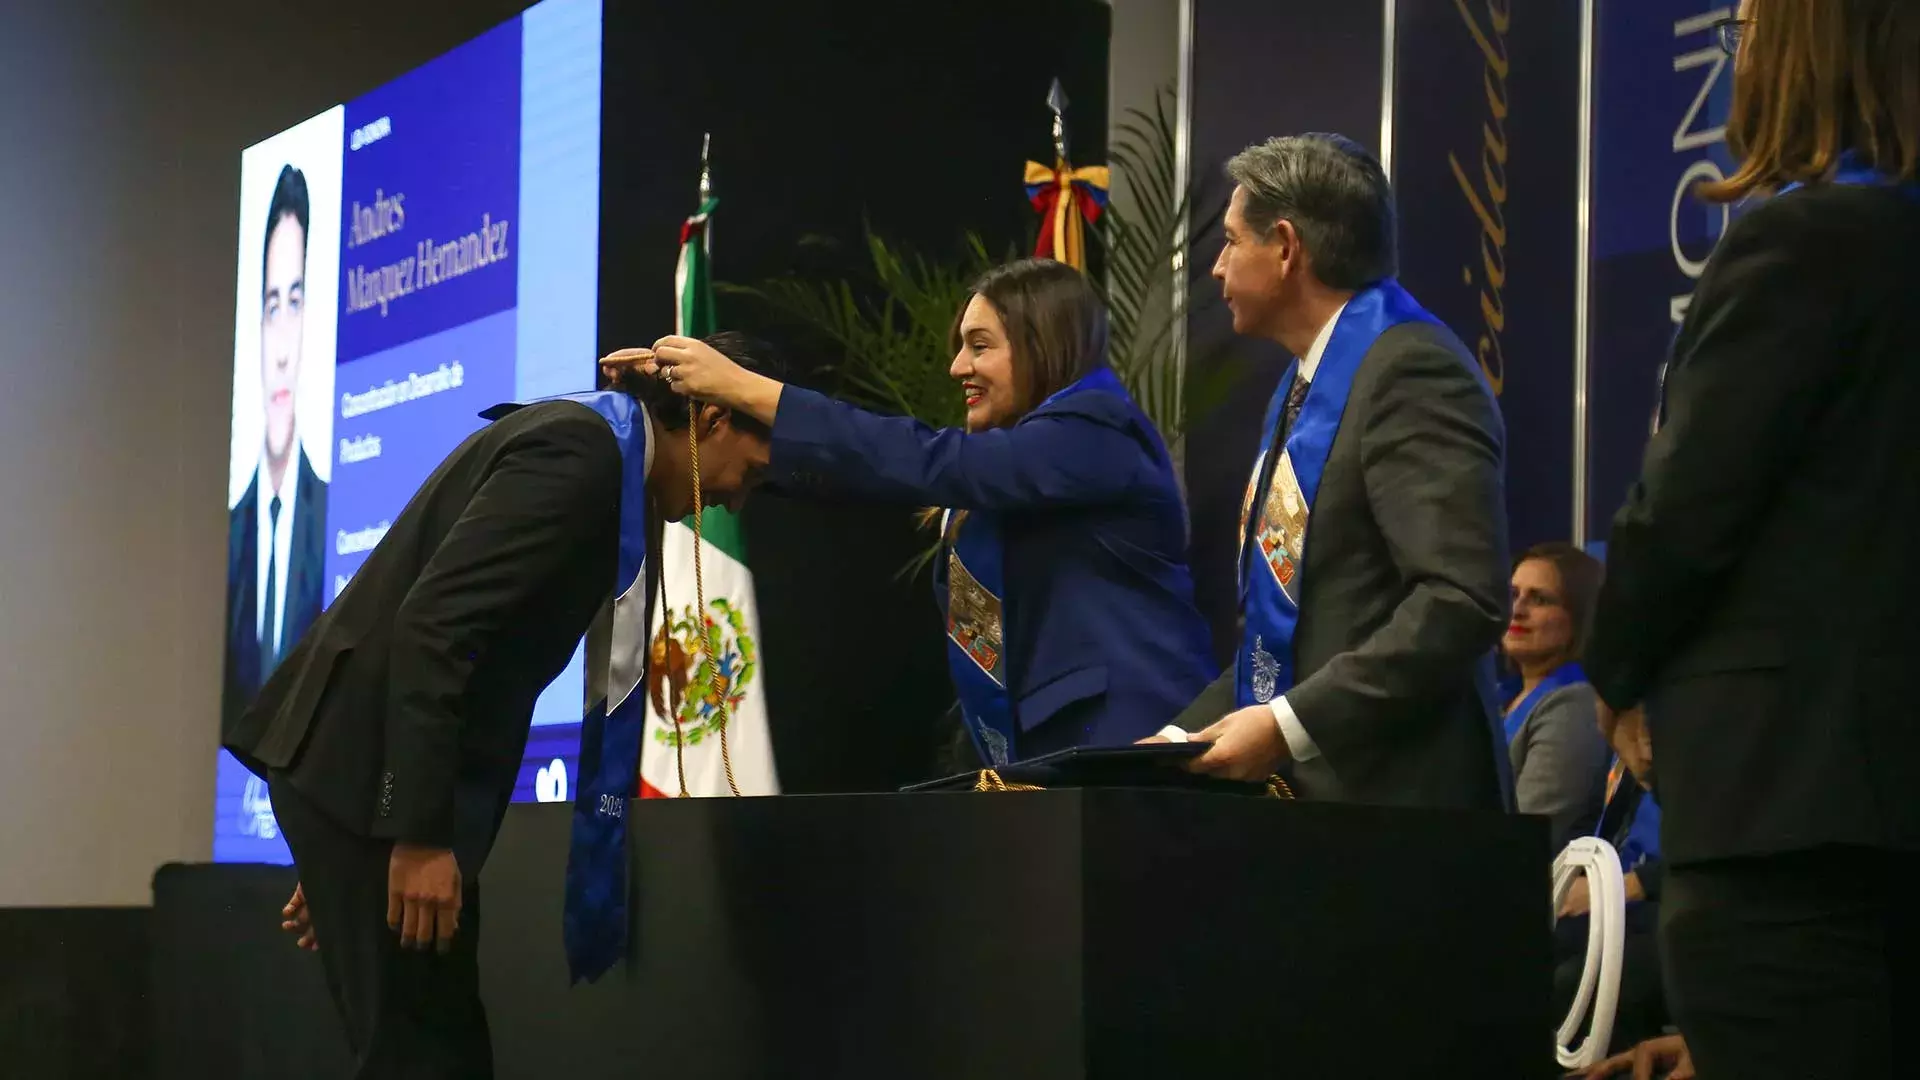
<point x="618" y="362"/>
<point x="1648" y="1060"/>
<point x="696" y="369"/>
<point x="1579" y="899"/>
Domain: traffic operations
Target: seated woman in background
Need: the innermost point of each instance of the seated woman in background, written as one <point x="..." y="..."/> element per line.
<point x="1553" y="740"/>
<point x="1069" y="606"/>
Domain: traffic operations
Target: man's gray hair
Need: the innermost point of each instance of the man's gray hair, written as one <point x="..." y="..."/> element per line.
<point x="1335" y="194"/>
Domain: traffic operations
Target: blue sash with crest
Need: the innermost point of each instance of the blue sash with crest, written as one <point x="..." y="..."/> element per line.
<point x="594" y="923"/>
<point x="976" y="613"/>
<point x="1564" y="675"/>
<point x="1273" y="540"/>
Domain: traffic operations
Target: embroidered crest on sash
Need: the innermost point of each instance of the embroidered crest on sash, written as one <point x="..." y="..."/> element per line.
<point x="1266" y="671"/>
<point x="1246" y="503"/>
<point x="1283" y="527"/>
<point x="973" y="618"/>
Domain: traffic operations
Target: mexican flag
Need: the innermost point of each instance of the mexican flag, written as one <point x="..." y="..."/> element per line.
<point x="683" y="688"/>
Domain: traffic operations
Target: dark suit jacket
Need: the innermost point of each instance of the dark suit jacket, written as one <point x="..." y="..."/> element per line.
<point x="1404" y="589"/>
<point x="303" y="586"/>
<point x="404" y="712"/>
<point x="1762" y="586"/>
<point x="1103" y="642"/>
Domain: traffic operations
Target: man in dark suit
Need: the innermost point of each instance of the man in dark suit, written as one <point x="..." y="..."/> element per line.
<point x="1373" y="551"/>
<point x="392" y="734"/>
<point x="277" y="532"/>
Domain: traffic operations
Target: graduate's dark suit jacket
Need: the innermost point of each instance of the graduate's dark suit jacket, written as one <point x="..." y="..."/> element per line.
<point x="1403" y="589"/>
<point x="1763" y="583"/>
<point x="1103" y="642"/>
<point x="403" y="713"/>
<point x="302" y="584"/>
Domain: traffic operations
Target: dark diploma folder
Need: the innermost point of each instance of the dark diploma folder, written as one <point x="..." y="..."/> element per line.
<point x="1142" y="765"/>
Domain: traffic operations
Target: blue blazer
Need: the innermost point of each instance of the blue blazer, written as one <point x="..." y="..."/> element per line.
<point x="1103" y="642"/>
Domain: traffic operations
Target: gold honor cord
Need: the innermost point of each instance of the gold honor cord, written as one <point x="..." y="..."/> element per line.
<point x="991" y="780"/>
<point x="700" y="616"/>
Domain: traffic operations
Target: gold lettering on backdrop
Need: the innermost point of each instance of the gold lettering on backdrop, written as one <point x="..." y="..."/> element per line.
<point x="1490" y="208"/>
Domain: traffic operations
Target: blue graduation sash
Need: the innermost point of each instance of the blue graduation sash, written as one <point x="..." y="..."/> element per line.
<point x="1273" y="541"/>
<point x="976" y="613"/>
<point x="1564" y="675"/>
<point x="1854" y="171"/>
<point x="594" y="922"/>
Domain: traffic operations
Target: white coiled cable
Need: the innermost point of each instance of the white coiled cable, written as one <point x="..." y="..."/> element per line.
<point x="1606" y="938"/>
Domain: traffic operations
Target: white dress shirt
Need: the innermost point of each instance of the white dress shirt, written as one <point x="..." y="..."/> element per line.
<point x="1299" y="743"/>
<point x="274" y="555"/>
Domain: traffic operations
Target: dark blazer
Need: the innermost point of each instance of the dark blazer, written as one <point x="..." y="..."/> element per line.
<point x="1103" y="642"/>
<point x="1762" y="581"/>
<point x="1404" y="589"/>
<point x="404" y="711"/>
<point x="303" y="587"/>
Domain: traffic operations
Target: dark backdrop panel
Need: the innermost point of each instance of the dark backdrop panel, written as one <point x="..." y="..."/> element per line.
<point x="825" y="118"/>
<point x="1260" y="69"/>
<point x="1654" y="136"/>
<point x="74" y="995"/>
<point x="1486" y="168"/>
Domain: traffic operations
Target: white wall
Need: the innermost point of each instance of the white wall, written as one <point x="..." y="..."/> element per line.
<point x="119" y="170"/>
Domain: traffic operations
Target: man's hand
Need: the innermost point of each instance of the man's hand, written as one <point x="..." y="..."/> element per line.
<point x="423" y="896"/>
<point x="297" y="920"/>
<point x="1665" y="1052"/>
<point x="1247" y="746"/>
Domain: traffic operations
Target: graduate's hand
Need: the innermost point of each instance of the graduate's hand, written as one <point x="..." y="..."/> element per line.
<point x="1247" y="746"/>
<point x="297" y="920"/>
<point x="423" y="896"/>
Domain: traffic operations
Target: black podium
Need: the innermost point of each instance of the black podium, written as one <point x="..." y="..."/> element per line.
<point x="1060" y="934"/>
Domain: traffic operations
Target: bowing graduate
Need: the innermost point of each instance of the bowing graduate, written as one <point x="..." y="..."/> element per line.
<point x="1069" y="607"/>
<point x="391" y="737"/>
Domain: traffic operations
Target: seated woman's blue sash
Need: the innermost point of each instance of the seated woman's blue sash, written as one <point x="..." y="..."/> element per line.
<point x="976" y="612"/>
<point x="594" y="921"/>
<point x="1273" y="541"/>
<point x="1564" y="675"/>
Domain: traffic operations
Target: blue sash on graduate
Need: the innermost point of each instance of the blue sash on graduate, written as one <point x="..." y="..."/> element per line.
<point x="976" y="613"/>
<point x="1273" y="540"/>
<point x="594" y="923"/>
<point x="1564" y="675"/>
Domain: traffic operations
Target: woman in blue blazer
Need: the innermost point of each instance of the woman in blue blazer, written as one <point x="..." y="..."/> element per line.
<point x="1064" y="580"/>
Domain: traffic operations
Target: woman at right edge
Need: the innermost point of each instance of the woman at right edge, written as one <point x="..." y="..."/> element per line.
<point x="1762" y="578"/>
<point x="1070" y="615"/>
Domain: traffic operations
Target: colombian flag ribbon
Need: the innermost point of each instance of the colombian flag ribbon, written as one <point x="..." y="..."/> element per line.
<point x="1057" y="194"/>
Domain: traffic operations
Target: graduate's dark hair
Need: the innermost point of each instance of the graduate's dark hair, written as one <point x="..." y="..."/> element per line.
<point x="669" y="409"/>
<point x="1055" y="324"/>
<point x="289" y="200"/>
<point x="1580" y="578"/>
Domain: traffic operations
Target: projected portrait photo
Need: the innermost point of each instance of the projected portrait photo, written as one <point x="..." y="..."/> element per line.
<point x="281" y="456"/>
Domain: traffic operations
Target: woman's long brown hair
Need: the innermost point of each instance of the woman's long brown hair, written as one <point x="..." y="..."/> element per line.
<point x="1816" y="79"/>
<point x="1056" y="327"/>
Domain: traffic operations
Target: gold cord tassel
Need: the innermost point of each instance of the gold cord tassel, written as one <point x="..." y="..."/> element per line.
<point x="700" y="617"/>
